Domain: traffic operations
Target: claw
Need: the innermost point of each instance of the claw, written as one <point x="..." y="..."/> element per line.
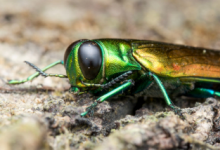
<point x="90" y="110"/>
<point x="177" y="111"/>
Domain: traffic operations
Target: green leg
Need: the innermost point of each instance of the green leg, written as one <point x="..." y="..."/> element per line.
<point x="39" y="72"/>
<point x="203" y="93"/>
<point x="167" y="99"/>
<point x="74" y="89"/>
<point x="118" y="90"/>
<point x="163" y="90"/>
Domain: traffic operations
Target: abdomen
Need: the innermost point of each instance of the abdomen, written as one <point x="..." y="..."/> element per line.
<point x="177" y="60"/>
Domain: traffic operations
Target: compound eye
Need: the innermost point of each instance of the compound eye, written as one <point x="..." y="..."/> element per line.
<point x="90" y="59"/>
<point x="69" y="49"/>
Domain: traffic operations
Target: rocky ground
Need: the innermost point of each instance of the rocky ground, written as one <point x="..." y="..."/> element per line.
<point x="42" y="114"/>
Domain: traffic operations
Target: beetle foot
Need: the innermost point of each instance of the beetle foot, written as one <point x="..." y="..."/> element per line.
<point x="177" y="111"/>
<point x="90" y="110"/>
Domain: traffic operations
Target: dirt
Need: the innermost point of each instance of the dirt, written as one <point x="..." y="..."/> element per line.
<point x="43" y="114"/>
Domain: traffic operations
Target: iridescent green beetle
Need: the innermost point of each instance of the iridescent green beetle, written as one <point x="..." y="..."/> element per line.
<point x="139" y="67"/>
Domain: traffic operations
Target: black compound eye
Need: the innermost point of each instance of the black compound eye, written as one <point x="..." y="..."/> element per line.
<point x="90" y="59"/>
<point x="69" y="49"/>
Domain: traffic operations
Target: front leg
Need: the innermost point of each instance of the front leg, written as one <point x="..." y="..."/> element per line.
<point x="126" y="85"/>
<point x="74" y="89"/>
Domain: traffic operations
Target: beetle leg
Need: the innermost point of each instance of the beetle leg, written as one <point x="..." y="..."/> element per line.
<point x="163" y="90"/>
<point x="203" y="93"/>
<point x="74" y="89"/>
<point x="39" y="72"/>
<point x="126" y="85"/>
<point x="176" y="109"/>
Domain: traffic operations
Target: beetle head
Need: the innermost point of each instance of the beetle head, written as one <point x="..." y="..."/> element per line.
<point x="92" y="61"/>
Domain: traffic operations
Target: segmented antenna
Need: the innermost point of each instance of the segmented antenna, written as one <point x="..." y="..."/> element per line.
<point x="117" y="79"/>
<point x="36" y="68"/>
<point x="111" y="83"/>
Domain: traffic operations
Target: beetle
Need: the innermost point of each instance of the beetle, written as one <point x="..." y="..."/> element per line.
<point x="139" y="67"/>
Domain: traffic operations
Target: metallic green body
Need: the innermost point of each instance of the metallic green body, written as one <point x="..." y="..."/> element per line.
<point x="148" y="68"/>
<point x="145" y="57"/>
<point x="118" y="59"/>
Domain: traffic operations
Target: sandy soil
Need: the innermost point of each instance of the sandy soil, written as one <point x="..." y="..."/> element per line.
<point x="42" y="114"/>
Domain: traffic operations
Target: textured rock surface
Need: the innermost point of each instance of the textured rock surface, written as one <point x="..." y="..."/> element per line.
<point x="42" y="114"/>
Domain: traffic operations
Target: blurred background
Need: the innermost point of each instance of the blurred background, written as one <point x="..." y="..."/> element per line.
<point x="39" y="31"/>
